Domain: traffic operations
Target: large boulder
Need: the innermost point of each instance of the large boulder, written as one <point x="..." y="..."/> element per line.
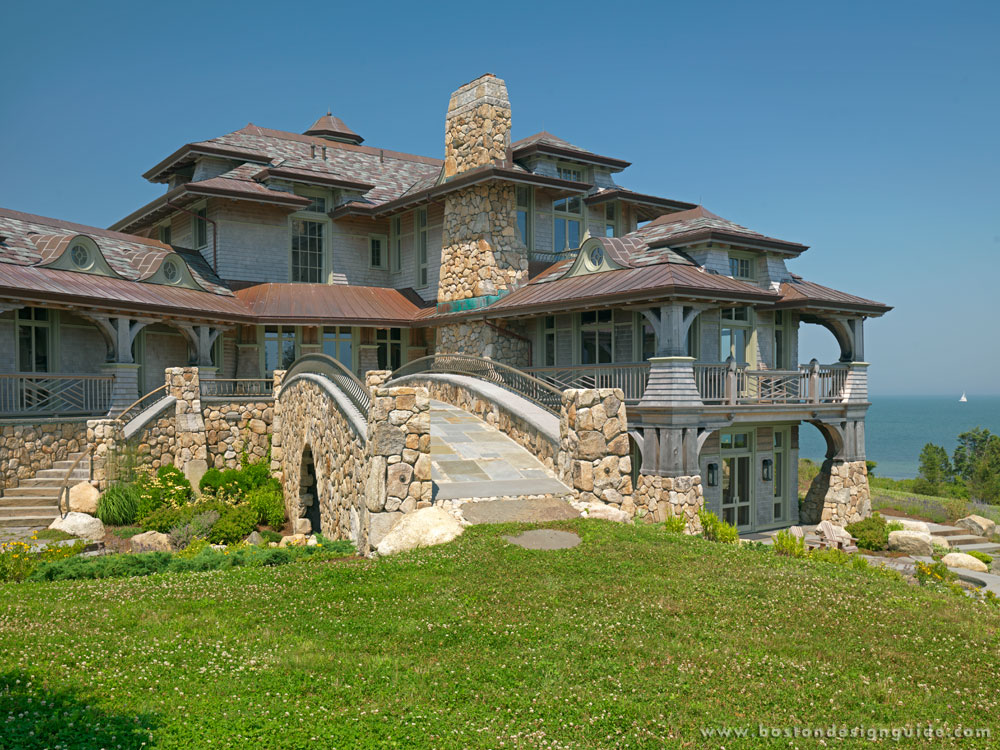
<point x="912" y="543"/>
<point x="605" y="513"/>
<point x="910" y="525"/>
<point x="977" y="525"/>
<point x="80" y="524"/>
<point x="422" y="528"/>
<point x="962" y="560"/>
<point x="83" y="498"/>
<point x="152" y="541"/>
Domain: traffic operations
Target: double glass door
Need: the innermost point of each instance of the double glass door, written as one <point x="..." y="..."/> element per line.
<point x="737" y="480"/>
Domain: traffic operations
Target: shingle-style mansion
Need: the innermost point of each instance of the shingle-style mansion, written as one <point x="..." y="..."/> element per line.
<point x="269" y="245"/>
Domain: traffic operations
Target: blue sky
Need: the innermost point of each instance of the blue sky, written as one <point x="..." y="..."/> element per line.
<point x="868" y="131"/>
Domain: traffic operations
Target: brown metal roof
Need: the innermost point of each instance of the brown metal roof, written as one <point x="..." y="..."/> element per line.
<point x="805" y="295"/>
<point x="47" y="285"/>
<point x="326" y="303"/>
<point x="630" y="196"/>
<point x="546" y="143"/>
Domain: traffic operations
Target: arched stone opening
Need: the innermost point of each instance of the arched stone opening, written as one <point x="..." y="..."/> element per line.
<point x="309" y="491"/>
<point x="840" y="492"/>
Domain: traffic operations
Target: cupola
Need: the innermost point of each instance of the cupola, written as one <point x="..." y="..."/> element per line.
<point x="333" y="129"/>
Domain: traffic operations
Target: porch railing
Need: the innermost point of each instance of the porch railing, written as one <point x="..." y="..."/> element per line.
<point x="238" y="388"/>
<point x="630" y="377"/>
<point x="52" y="395"/>
<point x="728" y="383"/>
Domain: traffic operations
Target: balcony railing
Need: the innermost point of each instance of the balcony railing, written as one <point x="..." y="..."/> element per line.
<point x="718" y="383"/>
<point x="49" y="395"/>
<point x="238" y="388"/>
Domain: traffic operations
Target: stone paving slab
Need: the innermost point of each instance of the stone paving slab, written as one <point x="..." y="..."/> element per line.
<point x="519" y="511"/>
<point x="498" y="488"/>
<point x="545" y="539"/>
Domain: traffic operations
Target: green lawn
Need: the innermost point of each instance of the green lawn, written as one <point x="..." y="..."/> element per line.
<point x="636" y="638"/>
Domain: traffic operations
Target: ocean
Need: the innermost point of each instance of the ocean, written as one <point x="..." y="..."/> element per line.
<point x="898" y="427"/>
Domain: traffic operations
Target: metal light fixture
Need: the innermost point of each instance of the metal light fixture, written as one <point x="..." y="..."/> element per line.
<point x="767" y="470"/>
<point x="713" y="475"/>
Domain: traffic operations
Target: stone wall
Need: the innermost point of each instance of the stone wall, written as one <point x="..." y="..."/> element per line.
<point x="477" y="128"/>
<point x="658" y="498"/>
<point x="184" y="384"/>
<point x="478" y="339"/>
<point x="594" y="447"/>
<point x="234" y="426"/>
<point x="105" y="436"/>
<point x="839" y="493"/>
<point x="26" y="449"/>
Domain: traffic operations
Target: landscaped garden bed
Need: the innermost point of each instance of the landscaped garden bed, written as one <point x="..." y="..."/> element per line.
<point x="634" y="638"/>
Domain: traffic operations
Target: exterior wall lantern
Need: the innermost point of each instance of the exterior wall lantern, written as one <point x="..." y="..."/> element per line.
<point x="713" y="475"/>
<point x="767" y="470"/>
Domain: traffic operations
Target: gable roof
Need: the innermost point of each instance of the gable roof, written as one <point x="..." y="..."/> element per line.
<point x="551" y="145"/>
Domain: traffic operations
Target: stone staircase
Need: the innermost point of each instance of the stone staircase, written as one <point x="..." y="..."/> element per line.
<point x="35" y="502"/>
<point x="962" y="540"/>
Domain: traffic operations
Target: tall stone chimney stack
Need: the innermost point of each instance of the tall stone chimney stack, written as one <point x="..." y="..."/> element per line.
<point x="482" y="256"/>
<point x="477" y="129"/>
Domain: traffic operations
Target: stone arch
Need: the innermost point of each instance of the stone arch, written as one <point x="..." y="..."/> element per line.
<point x="834" y="437"/>
<point x="313" y="428"/>
<point x="527" y="424"/>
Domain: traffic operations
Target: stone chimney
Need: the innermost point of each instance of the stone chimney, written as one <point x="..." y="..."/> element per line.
<point x="482" y="255"/>
<point x="477" y="129"/>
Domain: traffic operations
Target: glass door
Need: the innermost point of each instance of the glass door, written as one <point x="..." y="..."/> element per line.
<point x="781" y="441"/>
<point x="737" y="484"/>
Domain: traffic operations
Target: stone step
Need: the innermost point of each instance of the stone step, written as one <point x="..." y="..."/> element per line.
<point x="989" y="548"/>
<point x="26" y="521"/>
<point x="30" y="510"/>
<point x="947" y="531"/>
<point x="32" y="492"/>
<point x="27" y="502"/>
<point x="519" y="510"/>
<point x="83" y="466"/>
<point x="76" y="476"/>
<point x="957" y="539"/>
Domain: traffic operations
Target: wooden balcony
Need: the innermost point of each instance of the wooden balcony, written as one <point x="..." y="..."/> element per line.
<point x="26" y="394"/>
<point x="719" y="383"/>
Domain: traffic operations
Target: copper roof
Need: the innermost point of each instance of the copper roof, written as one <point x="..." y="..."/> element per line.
<point x="804" y="295"/>
<point x="334" y="304"/>
<point x="630" y="196"/>
<point x="700" y="225"/>
<point x="546" y="143"/>
<point x="333" y="127"/>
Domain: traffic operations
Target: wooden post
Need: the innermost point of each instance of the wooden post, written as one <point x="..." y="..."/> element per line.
<point x="814" y="381"/>
<point x="731" y="389"/>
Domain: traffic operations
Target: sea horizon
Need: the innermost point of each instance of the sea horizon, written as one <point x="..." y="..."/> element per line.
<point x="898" y="427"/>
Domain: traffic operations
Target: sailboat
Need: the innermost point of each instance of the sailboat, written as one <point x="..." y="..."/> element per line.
<point x="963" y="399"/>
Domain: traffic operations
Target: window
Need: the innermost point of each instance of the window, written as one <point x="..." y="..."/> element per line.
<point x="80" y="255"/>
<point x="377" y="250"/>
<point x="165" y="234"/>
<point x="568" y="217"/>
<point x="596" y="337"/>
<point x="389" y="343"/>
<point x="396" y="261"/>
<point x="780" y="463"/>
<point x="338" y="343"/>
<point x="610" y="219"/>
<point x="524" y="196"/>
<point x="569" y="173"/>
<point x="549" y="333"/>
<point x="307" y="251"/>
<point x="33" y="340"/>
<point x="781" y="341"/>
<point x="741" y="267"/>
<point x="735" y="334"/>
<point x="170" y="270"/>
<point x="317" y="206"/>
<point x="279" y="348"/>
<point x="421" y="223"/>
<point x="200" y="228"/>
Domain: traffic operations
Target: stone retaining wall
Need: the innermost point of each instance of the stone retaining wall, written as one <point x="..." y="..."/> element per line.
<point x="658" y="498"/>
<point x="234" y="426"/>
<point x="839" y="493"/>
<point x="594" y="447"/>
<point x="26" y="449"/>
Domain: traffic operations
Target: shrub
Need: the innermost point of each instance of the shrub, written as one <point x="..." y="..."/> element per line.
<point x="872" y="533"/>
<point x="166" y="518"/>
<point x="981" y="556"/>
<point x="270" y="536"/>
<point x="175" y="489"/>
<point x="193" y="549"/>
<point x="268" y="504"/>
<point x="119" y="505"/>
<point x="833" y="556"/>
<point x="675" y="524"/>
<point x="716" y="530"/>
<point x="933" y="573"/>
<point x="234" y="525"/>
<point x="789" y="545"/>
<point x="256" y="473"/>
<point x="938" y="550"/>
<point x="18" y="561"/>
<point x="197" y="528"/>
<point x="210" y="481"/>
<point x="232" y="487"/>
<point x="127" y="532"/>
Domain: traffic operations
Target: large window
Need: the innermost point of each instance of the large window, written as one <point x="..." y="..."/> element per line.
<point x="279" y="348"/>
<point x="307" y="250"/>
<point x="33" y="339"/>
<point x="735" y="334"/>
<point x="524" y="214"/>
<point x="782" y="353"/>
<point x="389" y="343"/>
<point x="338" y="343"/>
<point x="610" y="219"/>
<point x="568" y="217"/>
<point x="741" y="267"/>
<point x="200" y="228"/>
<point x="421" y="228"/>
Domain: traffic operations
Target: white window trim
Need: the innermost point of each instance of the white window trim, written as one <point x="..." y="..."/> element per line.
<point x="384" y="255"/>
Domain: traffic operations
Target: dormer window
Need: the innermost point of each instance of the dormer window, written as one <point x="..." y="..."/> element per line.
<point x="81" y="257"/>
<point x="741" y="267"/>
<point x="170" y="271"/>
<point x="569" y="173"/>
<point x="317" y="206"/>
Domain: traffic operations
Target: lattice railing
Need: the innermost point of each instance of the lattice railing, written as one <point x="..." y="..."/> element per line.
<point x="30" y="394"/>
<point x="630" y="377"/>
<point x="237" y="388"/>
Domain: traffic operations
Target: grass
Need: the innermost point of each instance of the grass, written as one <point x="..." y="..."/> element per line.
<point x="52" y="535"/>
<point x="635" y="638"/>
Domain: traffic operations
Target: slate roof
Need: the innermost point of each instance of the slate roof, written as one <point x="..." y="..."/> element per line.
<point x="546" y="143"/>
<point x="801" y="294"/>
<point x="333" y="127"/>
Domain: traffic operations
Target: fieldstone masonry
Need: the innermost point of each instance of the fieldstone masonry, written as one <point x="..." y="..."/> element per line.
<point x="659" y="498"/>
<point x="29" y="448"/>
<point x="839" y="493"/>
<point x="594" y="447"/>
<point x="189" y="424"/>
<point x="480" y="340"/>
